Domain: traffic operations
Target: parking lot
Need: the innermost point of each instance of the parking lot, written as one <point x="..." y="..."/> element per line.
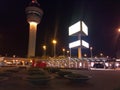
<point x="101" y="80"/>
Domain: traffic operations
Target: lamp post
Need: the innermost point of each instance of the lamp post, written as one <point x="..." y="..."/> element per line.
<point x="91" y="48"/>
<point x="101" y="54"/>
<point x="63" y="51"/>
<point x="54" y="45"/>
<point x="85" y="55"/>
<point x="117" y="44"/>
<point x="68" y="52"/>
<point x="44" y="48"/>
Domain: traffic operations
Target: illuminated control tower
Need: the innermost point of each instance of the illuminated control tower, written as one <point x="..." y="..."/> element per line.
<point x="34" y="16"/>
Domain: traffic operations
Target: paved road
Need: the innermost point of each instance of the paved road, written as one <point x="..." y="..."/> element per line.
<point x="101" y="80"/>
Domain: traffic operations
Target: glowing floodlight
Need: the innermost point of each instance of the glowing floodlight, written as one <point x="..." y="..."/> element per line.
<point x="74" y="44"/>
<point x="85" y="44"/>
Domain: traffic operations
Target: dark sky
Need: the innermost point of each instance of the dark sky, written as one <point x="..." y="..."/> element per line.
<point x="101" y="16"/>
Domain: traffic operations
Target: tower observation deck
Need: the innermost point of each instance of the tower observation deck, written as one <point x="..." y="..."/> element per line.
<point x="34" y="15"/>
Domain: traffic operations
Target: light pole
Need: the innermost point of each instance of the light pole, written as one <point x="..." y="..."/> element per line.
<point x="44" y="48"/>
<point x="101" y="54"/>
<point x="68" y="52"/>
<point x="85" y="55"/>
<point x="91" y="48"/>
<point x="63" y="51"/>
<point x="117" y="44"/>
<point x="54" y="45"/>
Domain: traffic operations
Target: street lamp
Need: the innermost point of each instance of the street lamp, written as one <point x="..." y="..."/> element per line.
<point x="91" y="48"/>
<point x="68" y="52"/>
<point x="85" y="55"/>
<point x="117" y="44"/>
<point x="119" y="30"/>
<point x="54" y="44"/>
<point x="44" y="48"/>
<point x="63" y="51"/>
<point x="101" y="54"/>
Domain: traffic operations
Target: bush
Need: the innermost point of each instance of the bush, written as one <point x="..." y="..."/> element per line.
<point x="34" y="71"/>
<point x="38" y="77"/>
<point x="73" y="75"/>
<point x="52" y="70"/>
<point x="77" y="77"/>
<point x="62" y="73"/>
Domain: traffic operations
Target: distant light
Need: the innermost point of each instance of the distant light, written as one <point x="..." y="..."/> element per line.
<point x="54" y="41"/>
<point x="101" y="54"/>
<point x="33" y="1"/>
<point x="80" y="64"/>
<point x="68" y="51"/>
<point x="85" y="55"/>
<point x="44" y="47"/>
<point x="107" y="56"/>
<point x="91" y="48"/>
<point x="107" y="64"/>
<point x="31" y="61"/>
<point x="118" y="30"/>
<point x="117" y="64"/>
<point x="92" y="64"/>
<point x="63" y="50"/>
<point x="117" y="59"/>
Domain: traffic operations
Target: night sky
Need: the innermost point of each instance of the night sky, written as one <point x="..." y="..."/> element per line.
<point x="101" y="16"/>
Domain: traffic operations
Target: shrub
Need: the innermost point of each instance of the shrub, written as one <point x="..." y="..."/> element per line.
<point x="62" y="73"/>
<point x="77" y="77"/>
<point x="74" y="75"/>
<point x="38" y="77"/>
<point x="52" y="70"/>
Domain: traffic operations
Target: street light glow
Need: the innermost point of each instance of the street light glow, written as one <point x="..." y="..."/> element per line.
<point x="54" y="41"/>
<point x="101" y="54"/>
<point x="91" y="48"/>
<point x="54" y="44"/>
<point x="44" y="47"/>
<point x="68" y="51"/>
<point x="63" y="50"/>
<point x="119" y="30"/>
